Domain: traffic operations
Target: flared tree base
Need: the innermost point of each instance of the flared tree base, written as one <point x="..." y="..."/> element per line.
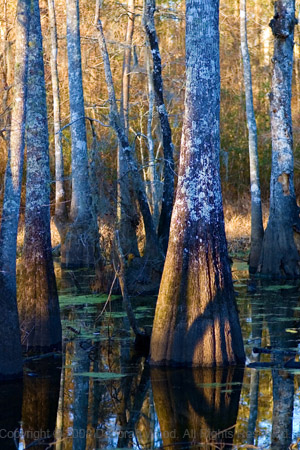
<point x="279" y="258"/>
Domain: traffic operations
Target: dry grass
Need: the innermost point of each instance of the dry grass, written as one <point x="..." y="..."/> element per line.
<point x="238" y="225"/>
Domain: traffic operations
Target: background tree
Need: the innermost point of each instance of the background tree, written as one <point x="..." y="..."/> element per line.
<point x="152" y="246"/>
<point x="60" y="195"/>
<point x="168" y="193"/>
<point x="10" y="350"/>
<point x="196" y="320"/>
<point x="128" y="217"/>
<point x="257" y="229"/>
<point x="279" y="254"/>
<point x="82" y="240"/>
<point x="37" y="296"/>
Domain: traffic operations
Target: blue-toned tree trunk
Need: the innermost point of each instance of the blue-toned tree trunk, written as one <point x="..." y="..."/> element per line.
<point x="81" y="246"/>
<point x="279" y="256"/>
<point x="196" y="320"/>
<point x="37" y="294"/>
<point x="168" y="191"/>
<point x="10" y="346"/>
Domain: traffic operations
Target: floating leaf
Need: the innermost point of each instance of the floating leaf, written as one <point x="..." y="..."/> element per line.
<point x="101" y="375"/>
<point x="278" y="287"/>
<point x="240" y="266"/>
<point x="70" y="300"/>
<point x="217" y="385"/>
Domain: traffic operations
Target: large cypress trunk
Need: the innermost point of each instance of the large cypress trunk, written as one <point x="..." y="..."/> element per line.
<point x="279" y="254"/>
<point x="10" y="347"/>
<point x="196" y="320"/>
<point x="37" y="294"/>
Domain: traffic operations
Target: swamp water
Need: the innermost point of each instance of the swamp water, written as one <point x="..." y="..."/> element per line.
<point x="101" y="394"/>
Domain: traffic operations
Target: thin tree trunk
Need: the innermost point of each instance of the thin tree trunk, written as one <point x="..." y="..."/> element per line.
<point x="60" y="196"/>
<point x="37" y="297"/>
<point x="196" y="320"/>
<point x="279" y="254"/>
<point x="82" y="238"/>
<point x="127" y="215"/>
<point x="168" y="193"/>
<point x="257" y="230"/>
<point x="10" y="349"/>
<point x="152" y="246"/>
<point x="152" y="166"/>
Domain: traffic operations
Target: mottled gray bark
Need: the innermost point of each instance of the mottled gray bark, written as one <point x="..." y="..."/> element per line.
<point x="279" y="256"/>
<point x="37" y="295"/>
<point x="168" y="192"/>
<point x="10" y="348"/>
<point x="196" y="320"/>
<point x="152" y="246"/>
<point x="257" y="230"/>
<point x="82" y="240"/>
<point x="60" y="196"/>
<point x="128" y="217"/>
<point x="154" y="181"/>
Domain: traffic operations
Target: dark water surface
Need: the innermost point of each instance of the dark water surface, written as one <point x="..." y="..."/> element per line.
<point x="101" y="394"/>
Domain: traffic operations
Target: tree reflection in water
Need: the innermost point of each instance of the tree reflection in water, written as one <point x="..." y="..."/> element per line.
<point x="40" y="402"/>
<point x="197" y="406"/>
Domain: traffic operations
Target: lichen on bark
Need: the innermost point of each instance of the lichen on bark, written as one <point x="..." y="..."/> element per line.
<point x="196" y="320"/>
<point x="279" y="257"/>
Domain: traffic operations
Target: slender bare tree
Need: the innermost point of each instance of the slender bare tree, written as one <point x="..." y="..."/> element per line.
<point x="257" y="230"/>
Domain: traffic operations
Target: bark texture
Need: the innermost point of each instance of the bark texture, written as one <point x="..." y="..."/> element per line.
<point x="257" y="230"/>
<point x="127" y="214"/>
<point x="196" y="321"/>
<point x="81" y="245"/>
<point x="152" y="246"/>
<point x="60" y="196"/>
<point x="279" y="256"/>
<point x="37" y="295"/>
<point x="168" y="192"/>
<point x="10" y="348"/>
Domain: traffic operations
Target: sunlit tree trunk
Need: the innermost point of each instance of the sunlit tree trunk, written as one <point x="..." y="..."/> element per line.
<point x="168" y="193"/>
<point x="37" y="294"/>
<point x="257" y="230"/>
<point x="279" y="254"/>
<point x="127" y="213"/>
<point x="5" y="76"/>
<point x="82" y="238"/>
<point x="60" y="196"/>
<point x="196" y="320"/>
<point x="10" y="347"/>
